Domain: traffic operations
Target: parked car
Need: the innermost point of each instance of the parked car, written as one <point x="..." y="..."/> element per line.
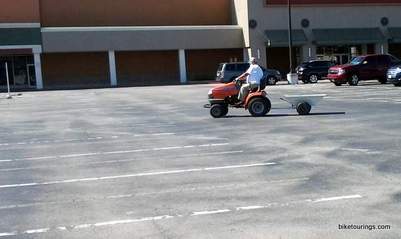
<point x="394" y="75"/>
<point x="227" y="72"/>
<point x="313" y="71"/>
<point x="361" y="68"/>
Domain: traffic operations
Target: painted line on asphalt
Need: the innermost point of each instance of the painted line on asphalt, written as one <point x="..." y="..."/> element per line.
<point x="6" y="234"/>
<point x="166" y="217"/>
<point x="179" y="156"/>
<point x="120" y="161"/>
<point x="99" y="138"/>
<point x="66" y="156"/>
<point x="144" y="194"/>
<point x="366" y="151"/>
<point x="337" y="198"/>
<point x="146" y="174"/>
<point x="201" y="213"/>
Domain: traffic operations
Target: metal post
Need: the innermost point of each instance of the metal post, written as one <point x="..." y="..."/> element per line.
<point x="8" y="83"/>
<point x="290" y="35"/>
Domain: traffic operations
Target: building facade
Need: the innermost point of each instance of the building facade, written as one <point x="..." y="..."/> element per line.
<point x="98" y="43"/>
<point x="323" y="29"/>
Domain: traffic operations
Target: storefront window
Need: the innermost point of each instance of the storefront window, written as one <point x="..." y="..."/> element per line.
<point x="21" y="71"/>
<point x="338" y="54"/>
<point x="3" y="76"/>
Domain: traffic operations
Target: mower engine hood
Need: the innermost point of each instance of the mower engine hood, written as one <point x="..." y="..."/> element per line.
<point x="223" y="91"/>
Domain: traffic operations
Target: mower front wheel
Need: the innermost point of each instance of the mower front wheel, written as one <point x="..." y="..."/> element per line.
<point x="218" y="110"/>
<point x="259" y="106"/>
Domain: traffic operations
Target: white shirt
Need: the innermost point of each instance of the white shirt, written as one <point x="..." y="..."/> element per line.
<point x="255" y="74"/>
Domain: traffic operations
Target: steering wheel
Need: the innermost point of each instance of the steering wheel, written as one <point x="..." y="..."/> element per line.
<point x="238" y="83"/>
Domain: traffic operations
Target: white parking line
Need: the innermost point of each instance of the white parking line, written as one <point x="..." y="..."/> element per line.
<point x="120" y="161"/>
<point x="366" y="151"/>
<point x="36" y="231"/>
<point x="6" y="234"/>
<point x="136" y="194"/>
<point x="165" y="217"/>
<point x="66" y="156"/>
<point x="183" y="171"/>
<point x="99" y="138"/>
<point x="180" y="156"/>
<point x="210" y="212"/>
<point x="337" y="198"/>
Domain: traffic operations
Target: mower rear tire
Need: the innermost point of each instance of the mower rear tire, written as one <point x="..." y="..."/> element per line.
<point x="304" y="108"/>
<point x="218" y="110"/>
<point x="259" y="106"/>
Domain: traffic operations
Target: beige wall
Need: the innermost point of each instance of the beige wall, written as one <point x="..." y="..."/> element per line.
<point x="141" y="38"/>
<point x="19" y="11"/>
<point x="75" y="70"/>
<point x="135" y="12"/>
<point x="147" y="68"/>
<point x="241" y="17"/>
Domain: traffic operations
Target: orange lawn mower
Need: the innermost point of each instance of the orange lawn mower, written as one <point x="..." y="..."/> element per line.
<point x="257" y="103"/>
<point x="224" y="96"/>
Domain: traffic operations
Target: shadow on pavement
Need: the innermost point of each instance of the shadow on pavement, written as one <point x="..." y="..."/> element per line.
<point x="287" y="115"/>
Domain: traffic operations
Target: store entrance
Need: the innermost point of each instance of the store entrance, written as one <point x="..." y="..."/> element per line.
<point x="278" y="58"/>
<point x="21" y="71"/>
<point x="341" y="54"/>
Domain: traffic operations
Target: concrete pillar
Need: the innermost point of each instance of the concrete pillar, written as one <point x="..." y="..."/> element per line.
<point x="364" y="49"/>
<point x="38" y="70"/>
<point x="381" y="48"/>
<point x="308" y="52"/>
<point x="112" y="68"/>
<point x="247" y="54"/>
<point x="183" y="66"/>
<point x="259" y="52"/>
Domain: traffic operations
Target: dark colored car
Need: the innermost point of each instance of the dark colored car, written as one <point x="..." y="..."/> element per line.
<point x="394" y="75"/>
<point x="361" y="68"/>
<point x="227" y="72"/>
<point x="313" y="71"/>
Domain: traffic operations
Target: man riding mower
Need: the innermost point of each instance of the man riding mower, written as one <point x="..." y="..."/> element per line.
<point x="239" y="94"/>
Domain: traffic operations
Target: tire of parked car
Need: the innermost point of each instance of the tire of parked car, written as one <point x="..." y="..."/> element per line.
<point x="353" y="80"/>
<point x="397" y="84"/>
<point x="337" y="84"/>
<point x="313" y="78"/>
<point x="218" y="110"/>
<point x="304" y="108"/>
<point x="271" y="80"/>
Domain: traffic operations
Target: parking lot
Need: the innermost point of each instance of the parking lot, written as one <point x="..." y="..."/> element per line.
<point x="150" y="162"/>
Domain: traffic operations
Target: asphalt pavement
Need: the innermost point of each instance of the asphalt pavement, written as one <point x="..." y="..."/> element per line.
<point x="150" y="162"/>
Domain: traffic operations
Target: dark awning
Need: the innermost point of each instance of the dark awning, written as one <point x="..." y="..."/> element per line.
<point x="279" y="38"/>
<point x="20" y="36"/>
<point x="347" y="36"/>
<point x="395" y="34"/>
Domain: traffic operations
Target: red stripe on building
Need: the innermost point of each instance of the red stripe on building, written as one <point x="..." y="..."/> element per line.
<point x="322" y="2"/>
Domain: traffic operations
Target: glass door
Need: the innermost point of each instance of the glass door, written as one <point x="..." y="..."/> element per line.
<point x="31" y="75"/>
<point x="20" y="71"/>
<point x="341" y="59"/>
<point x="3" y="76"/>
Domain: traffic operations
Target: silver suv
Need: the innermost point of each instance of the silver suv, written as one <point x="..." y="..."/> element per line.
<point x="227" y="72"/>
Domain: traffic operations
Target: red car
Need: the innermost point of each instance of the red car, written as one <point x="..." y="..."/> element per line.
<point x="367" y="67"/>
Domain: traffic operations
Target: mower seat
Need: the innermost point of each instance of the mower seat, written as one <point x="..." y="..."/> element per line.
<point x="263" y="84"/>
